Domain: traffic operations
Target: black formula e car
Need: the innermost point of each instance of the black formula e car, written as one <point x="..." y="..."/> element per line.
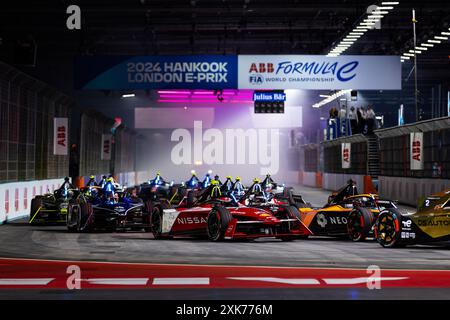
<point x="51" y="208"/>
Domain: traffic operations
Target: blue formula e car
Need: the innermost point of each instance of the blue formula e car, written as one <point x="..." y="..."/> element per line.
<point x="108" y="209"/>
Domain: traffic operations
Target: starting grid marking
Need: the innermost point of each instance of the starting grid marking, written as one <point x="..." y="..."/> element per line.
<point x="27" y="273"/>
<point x="195" y="281"/>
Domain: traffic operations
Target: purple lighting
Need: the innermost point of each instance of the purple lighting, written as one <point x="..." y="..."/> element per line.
<point x="204" y="96"/>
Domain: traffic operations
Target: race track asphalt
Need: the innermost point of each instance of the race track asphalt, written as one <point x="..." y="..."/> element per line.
<point x="20" y="240"/>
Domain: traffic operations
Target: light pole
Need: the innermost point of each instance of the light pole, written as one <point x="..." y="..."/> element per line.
<point x="415" y="64"/>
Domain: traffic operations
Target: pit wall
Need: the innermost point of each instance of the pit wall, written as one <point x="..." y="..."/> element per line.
<point x="334" y="181"/>
<point x="410" y="190"/>
<point x="15" y="197"/>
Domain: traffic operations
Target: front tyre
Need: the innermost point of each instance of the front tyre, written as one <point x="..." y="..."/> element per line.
<point x="73" y="218"/>
<point x="36" y="206"/>
<point x="388" y="228"/>
<point x="359" y="224"/>
<point x="217" y="223"/>
<point x="156" y="217"/>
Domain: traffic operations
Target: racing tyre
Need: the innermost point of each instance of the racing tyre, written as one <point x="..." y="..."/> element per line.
<point x="218" y="220"/>
<point x="156" y="217"/>
<point x="73" y="217"/>
<point x="388" y="228"/>
<point x="36" y="205"/>
<point x="79" y="217"/>
<point x="190" y="198"/>
<point x="359" y="224"/>
<point x="147" y="216"/>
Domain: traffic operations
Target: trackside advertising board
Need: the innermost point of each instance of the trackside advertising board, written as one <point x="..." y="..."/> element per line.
<point x="346" y="151"/>
<point x="312" y="72"/>
<point x="156" y="72"/>
<point x="60" y="136"/>
<point x="319" y="72"/>
<point x="416" y="147"/>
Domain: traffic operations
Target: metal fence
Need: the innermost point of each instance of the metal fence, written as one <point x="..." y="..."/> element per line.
<point x="311" y="156"/>
<point x="125" y="150"/>
<point x="395" y="155"/>
<point x="27" y="109"/>
<point x="93" y="126"/>
<point x="332" y="157"/>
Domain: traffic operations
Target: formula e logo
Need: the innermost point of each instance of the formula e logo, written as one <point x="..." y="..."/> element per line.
<point x="407" y="224"/>
<point x="256" y="79"/>
<point x="321" y="220"/>
<point x="191" y="220"/>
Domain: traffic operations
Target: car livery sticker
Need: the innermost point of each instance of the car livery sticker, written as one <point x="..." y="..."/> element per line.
<point x="169" y="218"/>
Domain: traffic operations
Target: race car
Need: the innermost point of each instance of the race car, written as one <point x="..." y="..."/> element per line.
<point x="431" y="223"/>
<point x="217" y="217"/>
<point x="278" y="191"/>
<point x="108" y="209"/>
<point x="51" y="208"/>
<point x="346" y="214"/>
<point x="156" y="188"/>
<point x="177" y="192"/>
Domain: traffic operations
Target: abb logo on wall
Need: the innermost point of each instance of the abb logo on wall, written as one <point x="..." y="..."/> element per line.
<point x="345" y="155"/>
<point x="416" y="147"/>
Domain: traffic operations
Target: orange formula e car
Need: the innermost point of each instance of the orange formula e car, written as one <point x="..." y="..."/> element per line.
<point x="431" y="223"/>
<point x="347" y="213"/>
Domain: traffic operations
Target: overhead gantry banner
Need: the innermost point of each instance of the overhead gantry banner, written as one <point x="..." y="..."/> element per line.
<point x="311" y="72"/>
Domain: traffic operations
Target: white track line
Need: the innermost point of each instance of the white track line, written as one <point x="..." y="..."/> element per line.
<point x="302" y="281"/>
<point x="362" y="280"/>
<point x="118" y="281"/>
<point x="180" y="281"/>
<point x="26" y="282"/>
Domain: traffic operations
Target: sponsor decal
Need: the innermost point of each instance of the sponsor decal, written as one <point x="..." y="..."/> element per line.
<point x="191" y="220"/>
<point x="16" y="199"/>
<point x="433" y="223"/>
<point x="416" y="152"/>
<point x="346" y="152"/>
<point x="407" y="224"/>
<point x="408" y="235"/>
<point x="106" y="146"/>
<point x="157" y="72"/>
<point x="6" y="201"/>
<point x="321" y="220"/>
<point x="317" y="72"/>
<point x="25" y="198"/>
<point x="60" y="136"/>
<point x="169" y="218"/>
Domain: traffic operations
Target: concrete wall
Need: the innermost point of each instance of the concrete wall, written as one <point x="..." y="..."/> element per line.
<point x="309" y="179"/>
<point x="409" y="190"/>
<point x="15" y="197"/>
<point x="334" y="181"/>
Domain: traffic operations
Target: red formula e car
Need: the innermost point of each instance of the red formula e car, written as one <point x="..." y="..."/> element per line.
<point x="209" y="214"/>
